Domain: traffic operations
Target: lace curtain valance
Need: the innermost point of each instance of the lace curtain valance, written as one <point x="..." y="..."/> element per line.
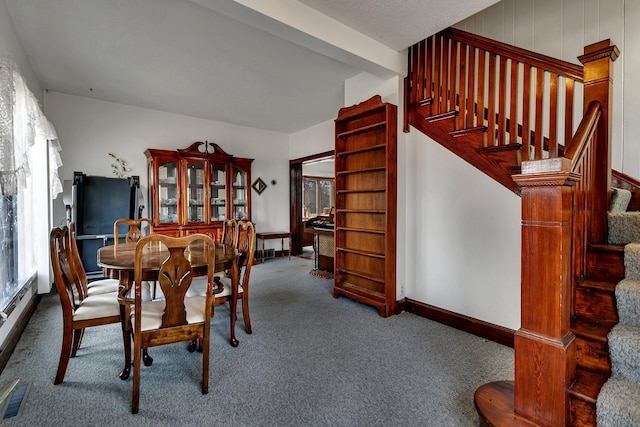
<point x="22" y="125"/>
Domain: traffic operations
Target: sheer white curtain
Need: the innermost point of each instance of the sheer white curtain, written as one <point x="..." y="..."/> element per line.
<point x="24" y="133"/>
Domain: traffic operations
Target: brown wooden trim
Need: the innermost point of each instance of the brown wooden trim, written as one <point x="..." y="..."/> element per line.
<point x="295" y="199"/>
<point x="490" y="331"/>
<point x="312" y="157"/>
<point x="14" y="336"/>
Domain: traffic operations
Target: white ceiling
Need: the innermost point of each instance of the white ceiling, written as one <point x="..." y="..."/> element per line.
<point x="224" y="60"/>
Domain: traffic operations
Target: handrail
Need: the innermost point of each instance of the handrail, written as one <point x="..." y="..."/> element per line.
<point x="584" y="134"/>
<point x="563" y="68"/>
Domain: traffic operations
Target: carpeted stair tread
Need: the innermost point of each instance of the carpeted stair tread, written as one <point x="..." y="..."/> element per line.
<point x="623" y="227"/>
<point x="624" y="350"/>
<point x="587" y="385"/>
<point x="632" y="261"/>
<point x="586" y="328"/>
<point x="628" y="301"/>
<point x="617" y="404"/>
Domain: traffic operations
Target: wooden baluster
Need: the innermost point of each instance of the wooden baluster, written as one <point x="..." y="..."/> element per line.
<point x="437" y="80"/>
<point x="462" y="93"/>
<point x="539" y="115"/>
<point x="526" y="112"/>
<point x="453" y="66"/>
<point x="553" y="115"/>
<point x="491" y="110"/>
<point x="480" y="90"/>
<point x="513" y="112"/>
<point x="428" y="74"/>
<point x="471" y="73"/>
<point x="445" y="89"/>
<point x="502" y="100"/>
<point x="420" y="74"/>
<point x="568" y="110"/>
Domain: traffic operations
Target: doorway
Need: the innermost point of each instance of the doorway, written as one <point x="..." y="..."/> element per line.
<point x="310" y="179"/>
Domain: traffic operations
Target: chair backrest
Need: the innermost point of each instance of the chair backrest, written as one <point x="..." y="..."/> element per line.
<point x="76" y="259"/>
<point x="65" y="277"/>
<point x="175" y="275"/>
<point x="230" y="232"/>
<point x="246" y="245"/>
<point x="134" y="233"/>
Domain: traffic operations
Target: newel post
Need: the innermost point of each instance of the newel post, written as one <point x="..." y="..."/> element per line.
<point x="544" y="345"/>
<point x="598" y="61"/>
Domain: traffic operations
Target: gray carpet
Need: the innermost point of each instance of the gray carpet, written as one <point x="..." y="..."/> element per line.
<point x="312" y="360"/>
<point x="618" y="401"/>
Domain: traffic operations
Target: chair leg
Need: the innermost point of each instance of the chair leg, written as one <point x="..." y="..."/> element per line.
<point x="245" y="313"/>
<point x="77" y="338"/>
<point x="65" y="354"/>
<point x="137" y="355"/>
<point x="205" y="364"/>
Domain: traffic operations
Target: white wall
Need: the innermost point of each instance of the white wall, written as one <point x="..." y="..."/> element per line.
<point x="89" y="129"/>
<point x="458" y="230"/>
<point x="561" y="28"/>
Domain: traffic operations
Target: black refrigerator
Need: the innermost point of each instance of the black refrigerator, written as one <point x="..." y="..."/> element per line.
<point x="97" y="202"/>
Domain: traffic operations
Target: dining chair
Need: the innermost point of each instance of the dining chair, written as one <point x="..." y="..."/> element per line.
<point x="95" y="287"/>
<point x="79" y="310"/>
<point x="230" y="232"/>
<point x="134" y="231"/>
<point x="246" y="245"/>
<point x="177" y="317"/>
<point x="133" y="234"/>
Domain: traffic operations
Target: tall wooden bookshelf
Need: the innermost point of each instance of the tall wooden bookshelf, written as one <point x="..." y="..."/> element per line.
<point x="366" y="199"/>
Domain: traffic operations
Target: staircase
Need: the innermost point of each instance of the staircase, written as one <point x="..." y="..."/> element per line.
<point x="510" y="113"/>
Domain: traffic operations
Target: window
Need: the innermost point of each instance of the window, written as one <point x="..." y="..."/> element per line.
<point x="24" y="132"/>
<point x="318" y="194"/>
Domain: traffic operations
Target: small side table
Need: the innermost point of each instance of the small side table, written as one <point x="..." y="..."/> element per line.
<point x="266" y="235"/>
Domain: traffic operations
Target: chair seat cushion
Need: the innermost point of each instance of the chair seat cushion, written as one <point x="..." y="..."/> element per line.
<point x="98" y="306"/>
<point x="199" y="287"/>
<point x="152" y="312"/>
<point x="103" y="286"/>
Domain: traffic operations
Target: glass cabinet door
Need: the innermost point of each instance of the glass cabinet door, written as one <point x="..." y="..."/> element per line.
<point x="239" y="193"/>
<point x="218" y="192"/>
<point x="168" y="192"/>
<point x="195" y="192"/>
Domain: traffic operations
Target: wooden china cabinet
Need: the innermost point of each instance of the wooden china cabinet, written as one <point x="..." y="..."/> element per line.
<point x="192" y="190"/>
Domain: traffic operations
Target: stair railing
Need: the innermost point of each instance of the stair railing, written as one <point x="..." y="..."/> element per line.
<point x="517" y="97"/>
<point x="513" y="95"/>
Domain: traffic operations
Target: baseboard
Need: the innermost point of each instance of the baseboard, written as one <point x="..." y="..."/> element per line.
<point x="495" y="333"/>
<point x="14" y="336"/>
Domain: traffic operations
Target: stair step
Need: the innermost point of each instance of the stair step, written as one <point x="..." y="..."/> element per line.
<point x="606" y="285"/>
<point x="589" y="329"/>
<point x="628" y="301"/>
<point x="587" y="385"/>
<point x="624" y="345"/>
<point x="618" y="403"/>
<point x="605" y="261"/>
<point x="506" y="155"/>
<point x="595" y="304"/>
<point x="592" y="346"/>
<point x="583" y="394"/>
<point x="474" y="137"/>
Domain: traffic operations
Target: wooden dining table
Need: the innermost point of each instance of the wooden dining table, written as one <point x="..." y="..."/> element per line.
<point x="117" y="261"/>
